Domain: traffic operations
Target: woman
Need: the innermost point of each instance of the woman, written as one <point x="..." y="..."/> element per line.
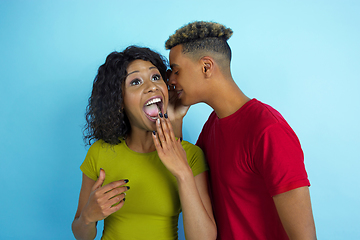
<point x="136" y="147"/>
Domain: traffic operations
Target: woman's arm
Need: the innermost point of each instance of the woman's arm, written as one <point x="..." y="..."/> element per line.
<point x="80" y="228"/>
<point x="198" y="218"/>
<point x="96" y="203"/>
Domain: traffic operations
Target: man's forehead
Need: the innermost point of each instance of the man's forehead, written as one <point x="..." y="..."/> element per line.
<point x="175" y="55"/>
<point x="175" y="51"/>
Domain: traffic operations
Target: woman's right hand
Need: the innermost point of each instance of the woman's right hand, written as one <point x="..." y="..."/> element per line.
<point x="104" y="200"/>
<point x="170" y="150"/>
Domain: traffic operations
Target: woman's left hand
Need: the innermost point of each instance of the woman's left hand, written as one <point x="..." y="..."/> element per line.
<point x="170" y="151"/>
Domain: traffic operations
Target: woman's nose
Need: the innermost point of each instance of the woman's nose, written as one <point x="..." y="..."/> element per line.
<point x="151" y="86"/>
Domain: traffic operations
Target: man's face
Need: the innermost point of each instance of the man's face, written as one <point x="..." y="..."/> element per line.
<point x="185" y="76"/>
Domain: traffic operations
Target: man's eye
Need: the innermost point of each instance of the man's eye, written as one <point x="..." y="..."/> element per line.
<point x="135" y="82"/>
<point x="156" y="77"/>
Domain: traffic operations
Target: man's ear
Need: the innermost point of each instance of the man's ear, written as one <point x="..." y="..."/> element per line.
<point x="207" y="64"/>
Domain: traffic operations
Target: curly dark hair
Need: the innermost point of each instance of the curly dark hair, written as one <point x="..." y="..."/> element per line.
<point x="199" y="37"/>
<point x="198" y="30"/>
<point x="105" y="116"/>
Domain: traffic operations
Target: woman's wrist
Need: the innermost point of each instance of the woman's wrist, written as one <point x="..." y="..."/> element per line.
<point x="84" y="220"/>
<point x="184" y="175"/>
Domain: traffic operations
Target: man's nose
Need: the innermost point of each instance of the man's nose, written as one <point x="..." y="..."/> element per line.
<point x="171" y="79"/>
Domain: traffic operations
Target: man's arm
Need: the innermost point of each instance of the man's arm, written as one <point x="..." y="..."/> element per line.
<point x="295" y="212"/>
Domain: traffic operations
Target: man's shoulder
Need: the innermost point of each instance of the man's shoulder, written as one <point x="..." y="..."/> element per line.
<point x="211" y="119"/>
<point x="263" y="113"/>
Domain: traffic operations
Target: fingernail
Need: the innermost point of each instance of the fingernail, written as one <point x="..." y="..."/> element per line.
<point x="124" y="199"/>
<point x="154" y="132"/>
<point x="165" y="115"/>
<point x="180" y="139"/>
<point x="127" y="187"/>
<point x="126" y="180"/>
<point x="160" y="114"/>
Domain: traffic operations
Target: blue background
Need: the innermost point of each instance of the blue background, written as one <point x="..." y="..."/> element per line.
<point x="301" y="57"/>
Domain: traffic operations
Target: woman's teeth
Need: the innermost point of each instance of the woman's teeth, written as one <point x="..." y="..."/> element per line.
<point x="152" y="101"/>
<point x="153" y="107"/>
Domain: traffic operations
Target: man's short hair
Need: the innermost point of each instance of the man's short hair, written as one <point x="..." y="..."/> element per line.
<point x="200" y="36"/>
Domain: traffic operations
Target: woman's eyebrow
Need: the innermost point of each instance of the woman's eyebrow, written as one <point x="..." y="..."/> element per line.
<point x="136" y="71"/>
<point x="131" y="73"/>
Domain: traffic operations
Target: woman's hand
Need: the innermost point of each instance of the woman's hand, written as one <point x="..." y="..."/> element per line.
<point x="170" y="151"/>
<point x="105" y="200"/>
<point x="176" y="111"/>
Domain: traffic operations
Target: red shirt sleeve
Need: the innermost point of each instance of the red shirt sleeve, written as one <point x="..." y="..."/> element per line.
<point x="280" y="159"/>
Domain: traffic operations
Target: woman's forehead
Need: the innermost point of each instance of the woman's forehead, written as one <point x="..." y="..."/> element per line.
<point x="138" y="65"/>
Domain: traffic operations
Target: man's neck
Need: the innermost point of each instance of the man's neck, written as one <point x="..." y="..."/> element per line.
<point x="225" y="97"/>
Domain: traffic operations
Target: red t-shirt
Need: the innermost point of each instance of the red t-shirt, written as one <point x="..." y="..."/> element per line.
<point x="253" y="155"/>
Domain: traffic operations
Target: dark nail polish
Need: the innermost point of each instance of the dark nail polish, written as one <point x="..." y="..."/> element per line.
<point x="154" y="132"/>
<point x="180" y="139"/>
<point x="165" y="115"/>
<point x="160" y="114"/>
<point x="124" y="199"/>
<point x="126" y="180"/>
<point x="127" y="187"/>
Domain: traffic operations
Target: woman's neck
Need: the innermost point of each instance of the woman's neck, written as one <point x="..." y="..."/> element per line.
<point x="140" y="141"/>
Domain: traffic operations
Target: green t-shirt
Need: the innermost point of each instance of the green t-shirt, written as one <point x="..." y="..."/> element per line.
<point x="152" y="204"/>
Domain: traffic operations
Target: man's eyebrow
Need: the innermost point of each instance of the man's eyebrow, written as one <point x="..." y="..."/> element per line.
<point x="173" y="65"/>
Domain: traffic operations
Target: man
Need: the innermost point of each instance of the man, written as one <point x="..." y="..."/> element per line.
<point x="258" y="180"/>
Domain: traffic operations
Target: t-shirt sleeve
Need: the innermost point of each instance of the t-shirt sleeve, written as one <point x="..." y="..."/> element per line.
<point x="88" y="167"/>
<point x="199" y="142"/>
<point x="280" y="159"/>
<point x="204" y="130"/>
<point x="196" y="159"/>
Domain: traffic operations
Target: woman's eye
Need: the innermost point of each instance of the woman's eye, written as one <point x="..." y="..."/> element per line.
<point x="135" y="82"/>
<point x="156" y="77"/>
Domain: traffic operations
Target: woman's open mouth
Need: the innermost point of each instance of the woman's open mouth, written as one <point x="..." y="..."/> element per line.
<point x="152" y="108"/>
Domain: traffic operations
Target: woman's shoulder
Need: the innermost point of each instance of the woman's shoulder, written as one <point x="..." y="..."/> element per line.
<point x="98" y="144"/>
<point x="191" y="148"/>
<point x="101" y="145"/>
<point x="195" y="158"/>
